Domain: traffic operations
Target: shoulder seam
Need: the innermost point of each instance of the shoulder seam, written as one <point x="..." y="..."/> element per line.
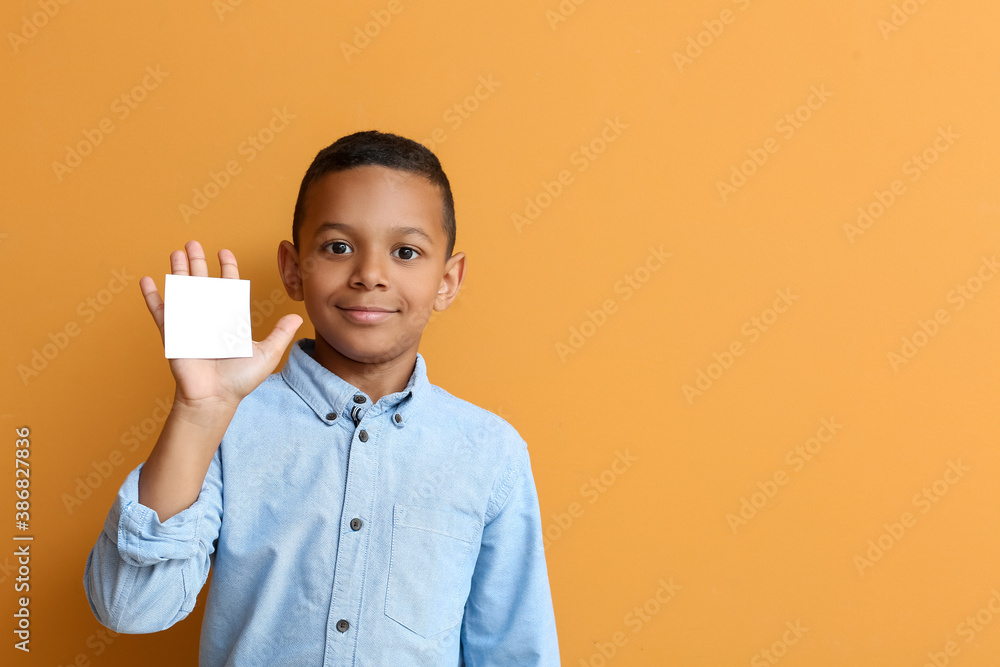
<point x="507" y="484"/>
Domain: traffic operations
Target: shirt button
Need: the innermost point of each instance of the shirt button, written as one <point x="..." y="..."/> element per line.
<point x="363" y="436"/>
<point x="343" y="625"/>
<point x="359" y="398"/>
<point x="398" y="418"/>
<point x="355" y="524"/>
<point x="331" y="416"/>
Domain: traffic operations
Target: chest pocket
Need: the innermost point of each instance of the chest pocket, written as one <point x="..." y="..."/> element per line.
<point x="430" y="567"/>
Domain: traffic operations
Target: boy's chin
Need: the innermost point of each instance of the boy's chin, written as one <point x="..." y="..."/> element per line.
<point x="366" y="354"/>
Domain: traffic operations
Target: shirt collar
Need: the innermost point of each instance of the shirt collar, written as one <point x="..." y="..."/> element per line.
<point x="328" y="394"/>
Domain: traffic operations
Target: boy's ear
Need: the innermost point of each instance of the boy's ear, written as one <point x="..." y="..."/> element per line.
<point x="454" y="274"/>
<point x="289" y="270"/>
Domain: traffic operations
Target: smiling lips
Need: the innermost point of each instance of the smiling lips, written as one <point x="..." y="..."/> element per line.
<point x="366" y="314"/>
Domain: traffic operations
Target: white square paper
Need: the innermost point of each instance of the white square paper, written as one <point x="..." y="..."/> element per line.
<point x="206" y="318"/>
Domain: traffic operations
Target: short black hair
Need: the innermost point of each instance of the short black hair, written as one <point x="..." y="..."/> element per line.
<point x="382" y="149"/>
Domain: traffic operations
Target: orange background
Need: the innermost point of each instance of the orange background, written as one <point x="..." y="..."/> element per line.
<point x="843" y="546"/>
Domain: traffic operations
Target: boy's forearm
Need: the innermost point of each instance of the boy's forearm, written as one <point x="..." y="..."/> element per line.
<point x="171" y="478"/>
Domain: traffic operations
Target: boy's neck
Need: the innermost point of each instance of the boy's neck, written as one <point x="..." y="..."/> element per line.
<point x="375" y="380"/>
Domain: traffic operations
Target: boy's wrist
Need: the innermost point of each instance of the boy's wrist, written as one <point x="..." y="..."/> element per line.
<point x="204" y="414"/>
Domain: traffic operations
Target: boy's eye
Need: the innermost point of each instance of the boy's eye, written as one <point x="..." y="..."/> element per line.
<point x="338" y="247"/>
<point x="407" y="252"/>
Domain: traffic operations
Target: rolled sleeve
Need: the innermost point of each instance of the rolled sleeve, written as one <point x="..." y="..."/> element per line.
<point x="144" y="575"/>
<point x="509" y="618"/>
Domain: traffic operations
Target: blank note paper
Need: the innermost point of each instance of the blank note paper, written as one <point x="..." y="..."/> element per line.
<point x="206" y="318"/>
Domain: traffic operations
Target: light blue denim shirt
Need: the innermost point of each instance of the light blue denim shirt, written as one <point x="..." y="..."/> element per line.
<point x="343" y="533"/>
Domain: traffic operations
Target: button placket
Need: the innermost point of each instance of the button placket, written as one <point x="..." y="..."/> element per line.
<point x="357" y="502"/>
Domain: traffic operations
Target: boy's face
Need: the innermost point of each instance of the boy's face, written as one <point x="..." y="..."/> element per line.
<point x="371" y="264"/>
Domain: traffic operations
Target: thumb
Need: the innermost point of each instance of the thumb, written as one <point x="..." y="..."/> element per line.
<point x="284" y="330"/>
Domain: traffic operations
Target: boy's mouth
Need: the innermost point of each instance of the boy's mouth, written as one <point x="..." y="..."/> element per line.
<point x="365" y="314"/>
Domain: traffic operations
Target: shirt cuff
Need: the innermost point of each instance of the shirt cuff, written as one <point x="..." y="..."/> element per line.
<point x="142" y="539"/>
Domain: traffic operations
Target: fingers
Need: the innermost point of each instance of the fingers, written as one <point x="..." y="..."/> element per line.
<point x="284" y="330"/>
<point x="227" y="260"/>
<point x="180" y="264"/>
<point x="153" y="302"/>
<point x="196" y="259"/>
<point x="192" y="262"/>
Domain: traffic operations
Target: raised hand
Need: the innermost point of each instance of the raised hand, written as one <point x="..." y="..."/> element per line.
<point x="207" y="396"/>
<point x="211" y="383"/>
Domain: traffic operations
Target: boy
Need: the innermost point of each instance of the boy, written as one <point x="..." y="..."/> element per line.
<point x="352" y="512"/>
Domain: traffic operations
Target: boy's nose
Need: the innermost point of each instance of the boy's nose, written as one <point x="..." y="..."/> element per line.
<point x="369" y="272"/>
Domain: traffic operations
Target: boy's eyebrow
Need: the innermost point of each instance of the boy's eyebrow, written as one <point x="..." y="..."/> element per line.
<point x="337" y="226"/>
<point x="405" y="231"/>
<point x="413" y="231"/>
